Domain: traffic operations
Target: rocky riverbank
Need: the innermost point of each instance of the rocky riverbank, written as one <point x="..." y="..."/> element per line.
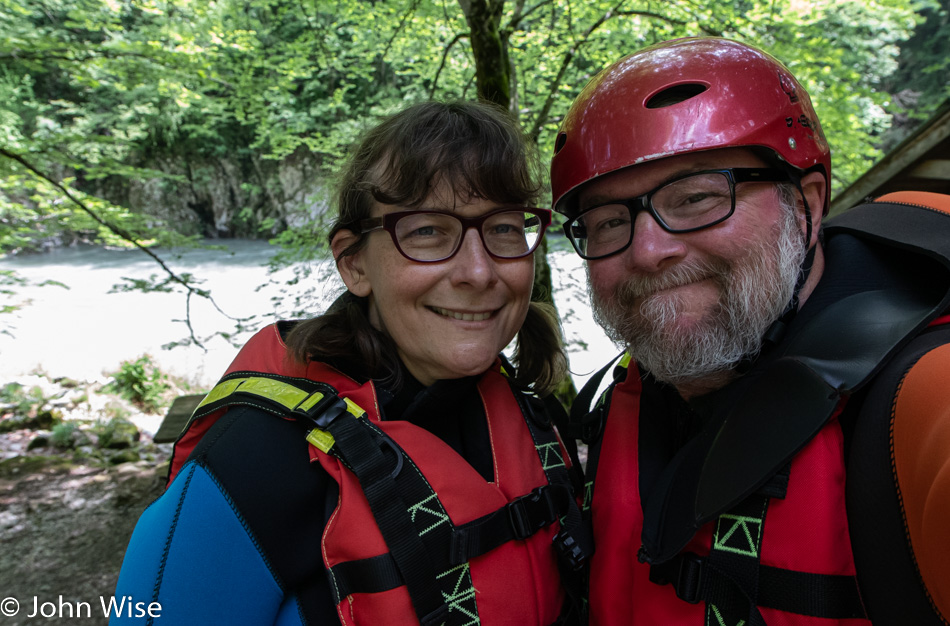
<point x="77" y="468"/>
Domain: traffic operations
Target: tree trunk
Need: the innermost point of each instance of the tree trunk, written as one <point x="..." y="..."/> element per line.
<point x="492" y="72"/>
<point x="493" y="79"/>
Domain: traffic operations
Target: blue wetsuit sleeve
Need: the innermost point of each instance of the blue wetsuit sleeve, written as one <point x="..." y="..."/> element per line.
<point x="191" y="560"/>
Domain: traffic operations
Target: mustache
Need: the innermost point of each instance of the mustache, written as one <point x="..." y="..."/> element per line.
<point x="639" y="287"/>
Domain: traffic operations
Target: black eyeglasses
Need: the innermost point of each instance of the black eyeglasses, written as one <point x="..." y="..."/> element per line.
<point x="682" y="205"/>
<point x="433" y="236"/>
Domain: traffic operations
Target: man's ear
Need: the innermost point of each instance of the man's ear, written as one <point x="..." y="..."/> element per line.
<point x="814" y="189"/>
<point x="350" y="266"/>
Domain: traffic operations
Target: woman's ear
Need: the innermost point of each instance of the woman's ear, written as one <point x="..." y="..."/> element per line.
<point x="350" y="266"/>
<point x="814" y="189"/>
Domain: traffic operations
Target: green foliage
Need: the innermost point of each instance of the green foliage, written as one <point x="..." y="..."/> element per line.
<point x="841" y="52"/>
<point x="8" y="280"/>
<point x="25" y="408"/>
<point x="115" y="411"/>
<point x="62" y="436"/>
<point x="115" y="432"/>
<point x="922" y="81"/>
<point x="141" y="382"/>
<point x="22" y="401"/>
<point x="98" y="93"/>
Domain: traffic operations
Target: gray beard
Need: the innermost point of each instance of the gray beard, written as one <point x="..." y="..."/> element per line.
<point x="754" y="292"/>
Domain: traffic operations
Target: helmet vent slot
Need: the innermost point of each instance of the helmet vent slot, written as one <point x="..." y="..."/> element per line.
<point x="559" y="142"/>
<point x="675" y="95"/>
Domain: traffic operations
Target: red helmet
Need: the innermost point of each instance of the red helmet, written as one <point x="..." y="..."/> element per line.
<point x="683" y="96"/>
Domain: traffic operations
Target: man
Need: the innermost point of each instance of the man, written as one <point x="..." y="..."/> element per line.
<point x="775" y="445"/>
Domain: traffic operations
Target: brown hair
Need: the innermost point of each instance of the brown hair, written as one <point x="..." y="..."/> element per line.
<point x="479" y="151"/>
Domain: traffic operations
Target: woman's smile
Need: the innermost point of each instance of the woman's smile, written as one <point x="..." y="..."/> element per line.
<point x="462" y="315"/>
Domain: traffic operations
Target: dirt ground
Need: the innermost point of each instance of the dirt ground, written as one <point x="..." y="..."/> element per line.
<point x="63" y="532"/>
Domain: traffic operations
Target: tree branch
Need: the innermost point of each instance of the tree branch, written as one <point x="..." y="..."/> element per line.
<point x="518" y="17"/>
<point x="65" y="54"/>
<point x="445" y="56"/>
<point x="542" y="116"/>
<point x="402" y="24"/>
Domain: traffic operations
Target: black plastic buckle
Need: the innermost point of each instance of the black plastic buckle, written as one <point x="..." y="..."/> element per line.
<point x="324" y="412"/>
<point x="690" y="580"/>
<point x="537" y="412"/>
<point x="592" y="426"/>
<point x="436" y="617"/>
<point x="569" y="550"/>
<point x="522" y="513"/>
<point x="386" y="442"/>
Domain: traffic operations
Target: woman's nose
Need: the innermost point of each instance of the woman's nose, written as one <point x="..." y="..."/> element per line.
<point x="472" y="264"/>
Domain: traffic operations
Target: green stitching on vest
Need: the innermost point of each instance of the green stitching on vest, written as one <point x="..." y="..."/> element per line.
<point x="462" y="594"/>
<point x="550" y="454"/>
<point x="588" y="494"/>
<point x="712" y="611"/>
<point x="731" y="541"/>
<point x="441" y="516"/>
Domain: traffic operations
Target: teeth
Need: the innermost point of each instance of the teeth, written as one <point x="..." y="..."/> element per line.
<point x="466" y="317"/>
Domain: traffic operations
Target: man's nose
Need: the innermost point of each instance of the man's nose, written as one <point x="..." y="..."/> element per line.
<point x="653" y="249"/>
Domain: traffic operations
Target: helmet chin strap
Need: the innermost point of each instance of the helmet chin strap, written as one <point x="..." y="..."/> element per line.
<point x="773" y="335"/>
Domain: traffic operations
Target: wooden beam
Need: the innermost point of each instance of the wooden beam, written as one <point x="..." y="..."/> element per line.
<point x="178" y="415"/>
<point x="935" y="168"/>
<point x="896" y="161"/>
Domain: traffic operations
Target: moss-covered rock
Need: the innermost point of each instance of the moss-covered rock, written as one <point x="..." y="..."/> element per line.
<point x="24" y="465"/>
<point x="117" y="434"/>
<point x="127" y="455"/>
<point x="39" y="441"/>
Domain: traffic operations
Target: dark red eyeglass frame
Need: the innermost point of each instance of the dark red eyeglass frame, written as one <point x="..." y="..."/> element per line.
<point x="388" y="223"/>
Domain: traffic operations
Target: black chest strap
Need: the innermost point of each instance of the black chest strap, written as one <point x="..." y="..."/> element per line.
<point x="733" y="583"/>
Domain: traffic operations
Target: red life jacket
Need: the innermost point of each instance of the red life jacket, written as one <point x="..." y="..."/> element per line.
<point x="807" y="531"/>
<point x="481" y="552"/>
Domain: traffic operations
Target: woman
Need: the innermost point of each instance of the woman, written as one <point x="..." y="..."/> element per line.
<point x="380" y="464"/>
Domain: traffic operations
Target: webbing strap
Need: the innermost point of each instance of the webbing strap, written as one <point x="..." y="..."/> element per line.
<point x="283" y="396"/>
<point x="587" y="423"/>
<point x="803" y="593"/>
<point x="519" y="519"/>
<point x="819" y="595"/>
<point x="735" y="553"/>
<point x="734" y="584"/>
<point x="360" y="445"/>
<point x="574" y="542"/>
<point x="371" y="575"/>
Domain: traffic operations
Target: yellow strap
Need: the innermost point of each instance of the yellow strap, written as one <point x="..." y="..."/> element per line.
<point x="286" y="395"/>
<point x="310" y="401"/>
<point x="625" y="360"/>
<point x="283" y="393"/>
<point x="353" y="408"/>
<point x="221" y="390"/>
<point x="321" y="439"/>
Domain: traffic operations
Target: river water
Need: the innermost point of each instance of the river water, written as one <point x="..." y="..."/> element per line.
<point x="85" y="329"/>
